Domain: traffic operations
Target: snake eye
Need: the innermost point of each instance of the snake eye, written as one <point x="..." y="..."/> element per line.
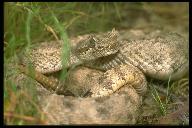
<point x="92" y="42"/>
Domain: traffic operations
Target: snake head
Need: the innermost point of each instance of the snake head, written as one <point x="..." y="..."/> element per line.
<point x="96" y="46"/>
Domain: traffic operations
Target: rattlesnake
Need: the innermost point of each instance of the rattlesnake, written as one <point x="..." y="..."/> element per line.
<point x="160" y="56"/>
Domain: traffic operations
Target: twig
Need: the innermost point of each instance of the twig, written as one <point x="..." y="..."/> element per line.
<point x="23" y="117"/>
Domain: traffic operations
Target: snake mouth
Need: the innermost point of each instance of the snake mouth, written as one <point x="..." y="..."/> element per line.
<point x="98" y="46"/>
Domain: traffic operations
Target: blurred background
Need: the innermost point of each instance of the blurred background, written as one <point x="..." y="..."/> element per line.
<point x="33" y="22"/>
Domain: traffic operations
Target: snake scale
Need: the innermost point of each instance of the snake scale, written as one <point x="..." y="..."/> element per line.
<point x="124" y="62"/>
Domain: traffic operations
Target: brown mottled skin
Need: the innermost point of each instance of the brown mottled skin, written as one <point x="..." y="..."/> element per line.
<point x="125" y="62"/>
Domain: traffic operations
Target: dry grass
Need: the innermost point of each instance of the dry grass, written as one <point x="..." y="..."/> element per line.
<point x="28" y="23"/>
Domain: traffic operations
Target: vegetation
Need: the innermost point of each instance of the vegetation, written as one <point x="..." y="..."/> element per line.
<point x="28" y="23"/>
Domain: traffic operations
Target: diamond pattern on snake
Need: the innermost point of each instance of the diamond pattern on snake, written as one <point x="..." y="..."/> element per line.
<point x="125" y="62"/>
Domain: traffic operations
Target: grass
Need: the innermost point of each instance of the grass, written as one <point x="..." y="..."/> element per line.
<point x="156" y="97"/>
<point x="28" y="23"/>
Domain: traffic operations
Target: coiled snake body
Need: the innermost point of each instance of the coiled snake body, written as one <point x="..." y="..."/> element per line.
<point x="125" y="62"/>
